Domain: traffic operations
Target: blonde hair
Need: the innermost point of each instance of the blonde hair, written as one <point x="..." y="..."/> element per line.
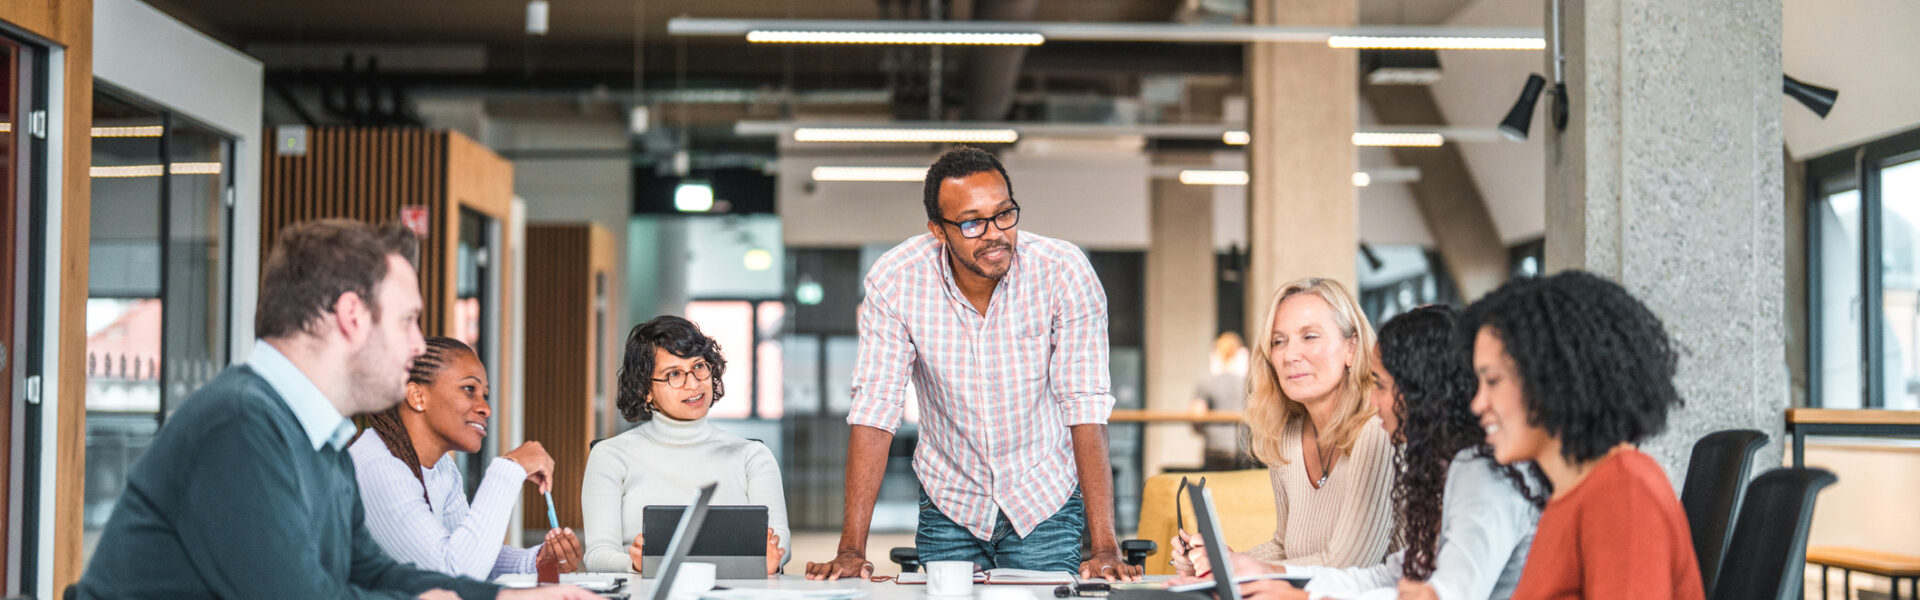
<point x="1270" y="411"/>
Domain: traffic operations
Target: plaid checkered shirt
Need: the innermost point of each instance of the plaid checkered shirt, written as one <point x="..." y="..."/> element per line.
<point x="996" y="391"/>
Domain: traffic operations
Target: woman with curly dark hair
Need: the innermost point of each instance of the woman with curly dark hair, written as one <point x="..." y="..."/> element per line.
<point x="668" y="381"/>
<point x="1573" y="373"/>
<point x="1463" y="521"/>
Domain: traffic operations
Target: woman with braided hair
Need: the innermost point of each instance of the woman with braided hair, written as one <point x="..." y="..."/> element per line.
<point x="1463" y="521"/>
<point x="415" y="498"/>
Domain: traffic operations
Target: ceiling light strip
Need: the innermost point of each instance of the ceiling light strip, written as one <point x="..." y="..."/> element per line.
<point x="957" y="38"/>
<point x="1398" y="139"/>
<point x="1383" y="42"/>
<point x="180" y="168"/>
<point x="913" y="174"/>
<point x="117" y="132"/>
<point x="1213" y="177"/>
<point x="1387" y="36"/>
<point x="905" y="135"/>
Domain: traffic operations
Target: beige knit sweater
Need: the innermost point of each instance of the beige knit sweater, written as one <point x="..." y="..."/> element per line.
<point x="1348" y="523"/>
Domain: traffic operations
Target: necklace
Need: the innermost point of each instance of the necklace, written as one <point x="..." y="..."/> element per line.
<point x="1326" y="464"/>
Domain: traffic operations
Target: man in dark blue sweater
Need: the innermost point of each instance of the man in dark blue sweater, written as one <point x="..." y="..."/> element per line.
<point x="248" y="491"/>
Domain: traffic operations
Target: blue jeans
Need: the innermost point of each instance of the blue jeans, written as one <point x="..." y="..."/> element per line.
<point x="1053" y="545"/>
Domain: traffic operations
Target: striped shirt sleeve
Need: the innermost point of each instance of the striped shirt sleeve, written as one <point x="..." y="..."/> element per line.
<point x="884" y="362"/>
<point x="412" y="531"/>
<point x="1078" y="369"/>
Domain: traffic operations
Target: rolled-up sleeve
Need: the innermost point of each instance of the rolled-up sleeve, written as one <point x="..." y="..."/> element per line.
<point x="1078" y="369"/>
<point x="886" y="356"/>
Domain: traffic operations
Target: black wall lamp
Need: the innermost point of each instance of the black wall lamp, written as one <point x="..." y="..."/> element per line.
<point x="1815" y="98"/>
<point x="1520" y="118"/>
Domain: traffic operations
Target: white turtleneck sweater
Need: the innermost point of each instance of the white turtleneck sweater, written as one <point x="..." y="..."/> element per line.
<point x="662" y="463"/>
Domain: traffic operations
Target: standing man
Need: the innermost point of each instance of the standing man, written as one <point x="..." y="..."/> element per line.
<point x="1004" y="337"/>
<point x="248" y="492"/>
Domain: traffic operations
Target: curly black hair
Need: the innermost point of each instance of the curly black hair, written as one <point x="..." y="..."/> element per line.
<point x="678" y="337"/>
<point x="1595" y="365"/>
<point x="1434" y="389"/>
<point x="959" y="162"/>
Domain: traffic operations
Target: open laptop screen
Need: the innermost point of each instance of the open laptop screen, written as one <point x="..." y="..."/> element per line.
<point x="683" y="538"/>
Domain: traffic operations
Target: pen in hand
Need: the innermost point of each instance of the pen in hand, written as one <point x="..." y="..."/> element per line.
<point x="552" y="519"/>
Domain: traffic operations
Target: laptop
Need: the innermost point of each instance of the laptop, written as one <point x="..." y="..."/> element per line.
<point x="733" y="538"/>
<point x="1223" y="586"/>
<point x="682" y="541"/>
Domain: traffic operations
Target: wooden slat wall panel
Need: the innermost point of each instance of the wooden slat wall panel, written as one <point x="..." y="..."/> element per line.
<point x="367" y="174"/>
<point x="69" y="24"/>
<point x="561" y="264"/>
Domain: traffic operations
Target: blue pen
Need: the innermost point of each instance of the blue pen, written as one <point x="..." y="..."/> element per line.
<point x="551" y="518"/>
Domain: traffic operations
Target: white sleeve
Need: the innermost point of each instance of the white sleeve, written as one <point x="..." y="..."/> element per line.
<point x="601" y="492"/>
<point x="764" y="488"/>
<point x="1478" y="539"/>
<point x="1352" y="582"/>
<point x="401" y="521"/>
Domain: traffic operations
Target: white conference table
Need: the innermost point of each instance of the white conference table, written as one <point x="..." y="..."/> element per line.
<point x="638" y="588"/>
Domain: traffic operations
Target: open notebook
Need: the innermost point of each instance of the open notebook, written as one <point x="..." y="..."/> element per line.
<point x="1002" y="577"/>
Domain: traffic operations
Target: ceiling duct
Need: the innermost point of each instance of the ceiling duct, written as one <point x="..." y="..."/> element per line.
<point x="993" y="71"/>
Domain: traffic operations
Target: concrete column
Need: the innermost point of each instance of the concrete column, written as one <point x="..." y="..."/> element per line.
<point x="1301" y="203"/>
<point x="1180" y="316"/>
<point x="1668" y="180"/>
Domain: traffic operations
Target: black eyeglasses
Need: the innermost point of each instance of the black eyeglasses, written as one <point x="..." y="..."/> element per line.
<point x="678" y="378"/>
<point x="973" y="228"/>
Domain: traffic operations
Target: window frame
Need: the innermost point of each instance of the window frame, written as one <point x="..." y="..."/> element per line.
<point x="1831" y="173"/>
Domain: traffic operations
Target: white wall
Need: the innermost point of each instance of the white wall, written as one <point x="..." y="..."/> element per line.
<point x="1867" y="49"/>
<point x="141" y="50"/>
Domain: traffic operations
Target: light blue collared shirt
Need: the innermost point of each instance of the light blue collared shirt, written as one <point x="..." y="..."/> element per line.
<point x="324" y="423"/>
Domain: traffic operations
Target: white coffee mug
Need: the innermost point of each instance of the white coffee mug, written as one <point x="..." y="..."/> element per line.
<point x="950" y="578"/>
<point x="694" y="579"/>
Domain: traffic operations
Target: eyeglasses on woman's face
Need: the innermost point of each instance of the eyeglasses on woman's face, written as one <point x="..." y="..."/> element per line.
<point x="678" y="378"/>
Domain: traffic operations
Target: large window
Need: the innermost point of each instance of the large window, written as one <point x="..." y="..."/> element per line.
<point x="157" y="293"/>
<point x="1863" y="233"/>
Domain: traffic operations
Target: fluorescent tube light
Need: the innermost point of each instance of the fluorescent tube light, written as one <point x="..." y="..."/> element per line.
<point x="1236" y="138"/>
<point x="142" y="131"/>
<point x="962" y="38"/>
<point x="869" y="173"/>
<point x="1213" y="177"/>
<point x="901" y="135"/>
<point x="1404" y="139"/>
<point x="1390" y="42"/>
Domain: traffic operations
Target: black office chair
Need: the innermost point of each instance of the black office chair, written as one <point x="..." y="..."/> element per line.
<point x="1772" y="537"/>
<point x="1716" y="481"/>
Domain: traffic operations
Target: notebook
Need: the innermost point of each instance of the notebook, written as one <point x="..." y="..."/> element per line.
<point x="1001" y="577"/>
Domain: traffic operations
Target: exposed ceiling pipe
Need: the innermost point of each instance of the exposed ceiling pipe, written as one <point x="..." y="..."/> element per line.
<point x="993" y="71"/>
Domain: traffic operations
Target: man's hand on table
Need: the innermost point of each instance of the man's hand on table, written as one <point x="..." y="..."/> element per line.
<point x="849" y="563"/>
<point x="1107" y="564"/>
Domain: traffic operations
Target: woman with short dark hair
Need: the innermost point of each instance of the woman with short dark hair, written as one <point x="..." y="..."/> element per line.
<point x="669" y="379"/>
<point x="1573" y="373"/>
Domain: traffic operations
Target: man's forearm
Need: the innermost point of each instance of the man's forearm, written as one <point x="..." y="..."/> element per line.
<point x="866" y="466"/>
<point x="1096" y="483"/>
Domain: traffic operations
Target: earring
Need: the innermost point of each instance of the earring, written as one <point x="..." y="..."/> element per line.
<point x="418" y="408"/>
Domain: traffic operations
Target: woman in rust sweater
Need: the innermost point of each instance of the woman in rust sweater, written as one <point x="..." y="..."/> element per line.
<point x="1573" y="373"/>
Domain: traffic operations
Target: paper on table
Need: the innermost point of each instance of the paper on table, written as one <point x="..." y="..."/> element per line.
<point x="1299" y="581"/>
<point x="592" y="582"/>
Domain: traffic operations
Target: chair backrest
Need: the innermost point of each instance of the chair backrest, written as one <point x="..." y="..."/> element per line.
<point x="1243" y="500"/>
<point x="1716" y="480"/>
<point x="1772" y="536"/>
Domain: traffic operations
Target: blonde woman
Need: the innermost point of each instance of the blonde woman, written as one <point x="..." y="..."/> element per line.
<point x="1330" y="460"/>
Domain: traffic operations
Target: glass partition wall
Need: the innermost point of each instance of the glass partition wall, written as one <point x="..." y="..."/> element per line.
<point x="157" y="295"/>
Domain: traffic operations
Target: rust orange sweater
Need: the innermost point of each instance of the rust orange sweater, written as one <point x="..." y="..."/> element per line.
<point x="1619" y="533"/>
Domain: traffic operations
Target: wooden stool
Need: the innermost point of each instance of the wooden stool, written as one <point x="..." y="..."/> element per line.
<point x="1894" y="567"/>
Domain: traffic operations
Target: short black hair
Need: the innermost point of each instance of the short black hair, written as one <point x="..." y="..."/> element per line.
<point x="678" y="337"/>
<point x="959" y="162"/>
<point x="1595" y="365"/>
